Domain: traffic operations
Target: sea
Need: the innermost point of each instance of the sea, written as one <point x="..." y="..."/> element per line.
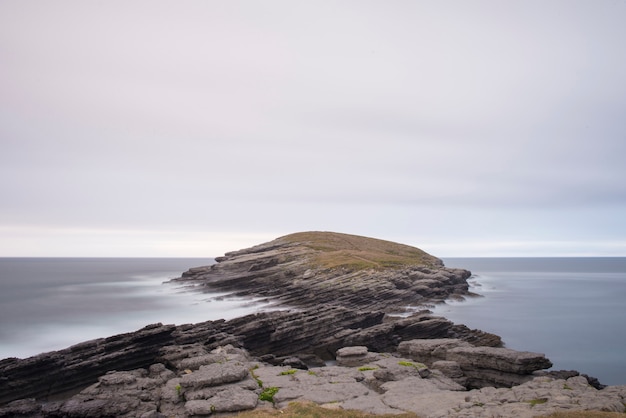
<point x="571" y="309"/>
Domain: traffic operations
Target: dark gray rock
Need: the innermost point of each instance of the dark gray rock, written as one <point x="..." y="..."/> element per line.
<point x="67" y="371"/>
<point x="284" y="270"/>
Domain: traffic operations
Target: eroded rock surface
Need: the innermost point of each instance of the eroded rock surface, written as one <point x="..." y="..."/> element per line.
<point x="341" y="288"/>
<point x="313" y="268"/>
<point x="228" y="380"/>
<point x="345" y="294"/>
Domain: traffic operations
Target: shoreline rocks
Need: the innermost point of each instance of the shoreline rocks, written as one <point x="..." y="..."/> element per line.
<point x="195" y="382"/>
<point x="315" y="335"/>
<point x="348" y="299"/>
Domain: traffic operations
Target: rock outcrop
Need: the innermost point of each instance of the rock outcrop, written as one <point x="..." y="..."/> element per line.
<point x="355" y="300"/>
<point x="312" y="336"/>
<point x="66" y="371"/>
<point x="310" y="269"/>
<point x="477" y="367"/>
<point x="195" y="382"/>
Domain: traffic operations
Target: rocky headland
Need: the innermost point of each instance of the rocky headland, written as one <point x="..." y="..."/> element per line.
<point x="352" y="333"/>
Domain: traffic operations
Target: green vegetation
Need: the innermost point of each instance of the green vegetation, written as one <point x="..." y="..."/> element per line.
<point x="311" y="410"/>
<point x="366" y="368"/>
<point x="178" y="390"/>
<point x="268" y="394"/>
<point x="538" y="401"/>
<point x="411" y="364"/>
<point x="255" y="377"/>
<point x="354" y="252"/>
<point x="288" y="372"/>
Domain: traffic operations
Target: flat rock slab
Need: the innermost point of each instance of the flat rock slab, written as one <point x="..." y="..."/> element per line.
<point x="322" y="393"/>
<point x="502" y="359"/>
<point x="214" y="374"/>
<point x="430" y="350"/>
<point x="389" y="385"/>
<point x="231" y="400"/>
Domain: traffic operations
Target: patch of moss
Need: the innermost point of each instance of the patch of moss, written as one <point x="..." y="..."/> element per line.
<point x="288" y="372"/>
<point x="411" y="364"/>
<point x="268" y="394"/>
<point x="255" y="377"/>
<point x="366" y="368"/>
<point x="537" y="401"/>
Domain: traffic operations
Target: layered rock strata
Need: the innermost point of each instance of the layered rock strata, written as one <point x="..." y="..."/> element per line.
<point x="476" y="367"/>
<point x="343" y="292"/>
<point x="314" y="335"/>
<point x="192" y="381"/>
<point x="307" y="270"/>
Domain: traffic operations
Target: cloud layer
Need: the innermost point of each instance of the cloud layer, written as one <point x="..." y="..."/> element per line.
<point x="481" y="128"/>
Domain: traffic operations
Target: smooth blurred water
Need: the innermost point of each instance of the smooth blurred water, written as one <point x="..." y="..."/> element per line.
<point x="51" y="303"/>
<point x="571" y="309"/>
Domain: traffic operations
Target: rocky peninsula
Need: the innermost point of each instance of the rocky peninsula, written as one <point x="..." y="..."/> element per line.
<point x="352" y="333"/>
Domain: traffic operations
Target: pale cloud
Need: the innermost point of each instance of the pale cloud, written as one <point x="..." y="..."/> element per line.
<point x="447" y="122"/>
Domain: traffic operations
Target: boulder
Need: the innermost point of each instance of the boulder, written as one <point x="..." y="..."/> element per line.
<point x="496" y="366"/>
<point x="354" y="356"/>
<point x="497" y="358"/>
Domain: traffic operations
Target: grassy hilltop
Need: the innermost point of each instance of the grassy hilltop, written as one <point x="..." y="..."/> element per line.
<point x="357" y="253"/>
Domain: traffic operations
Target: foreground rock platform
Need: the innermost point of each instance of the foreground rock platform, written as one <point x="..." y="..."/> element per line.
<point x="194" y="382"/>
<point x="352" y="300"/>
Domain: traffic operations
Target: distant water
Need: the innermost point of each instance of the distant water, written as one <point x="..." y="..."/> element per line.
<point x="571" y="309"/>
<point x="51" y="303"/>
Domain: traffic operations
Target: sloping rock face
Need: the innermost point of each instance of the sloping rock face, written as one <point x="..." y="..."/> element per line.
<point x="68" y="370"/>
<point x="310" y="335"/>
<point x="314" y="268"/>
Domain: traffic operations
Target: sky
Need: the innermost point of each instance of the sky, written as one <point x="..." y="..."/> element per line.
<point x="192" y="128"/>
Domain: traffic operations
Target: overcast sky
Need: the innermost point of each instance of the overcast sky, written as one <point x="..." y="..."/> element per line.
<point x="192" y="128"/>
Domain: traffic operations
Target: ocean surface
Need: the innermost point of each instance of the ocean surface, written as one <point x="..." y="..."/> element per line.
<point x="571" y="309"/>
<point x="51" y="303"/>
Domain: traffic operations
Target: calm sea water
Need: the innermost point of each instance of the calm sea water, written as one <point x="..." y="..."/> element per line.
<point x="51" y="303"/>
<point x="571" y="309"/>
